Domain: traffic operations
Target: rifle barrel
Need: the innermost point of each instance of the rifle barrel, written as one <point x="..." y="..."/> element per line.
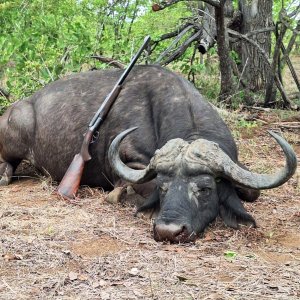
<point x="117" y="88"/>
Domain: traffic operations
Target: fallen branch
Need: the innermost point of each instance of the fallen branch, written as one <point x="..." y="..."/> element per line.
<point x="282" y="125"/>
<point x="265" y="109"/>
<point x="287" y="123"/>
<point x="109" y="61"/>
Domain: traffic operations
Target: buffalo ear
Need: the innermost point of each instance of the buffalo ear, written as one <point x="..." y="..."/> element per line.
<point x="151" y="203"/>
<point x="246" y="194"/>
<point x="232" y="210"/>
<point x="233" y="214"/>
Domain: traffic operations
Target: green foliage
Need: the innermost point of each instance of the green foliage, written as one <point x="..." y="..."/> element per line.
<point x="230" y="255"/>
<point x="43" y="40"/>
<point x="235" y="56"/>
<point x="246" y="124"/>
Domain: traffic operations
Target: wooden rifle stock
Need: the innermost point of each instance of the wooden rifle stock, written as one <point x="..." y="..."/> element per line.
<point x="69" y="185"/>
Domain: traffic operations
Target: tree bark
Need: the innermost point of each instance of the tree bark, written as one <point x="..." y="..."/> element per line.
<point x="256" y="14"/>
<point x="223" y="52"/>
<point x="209" y="30"/>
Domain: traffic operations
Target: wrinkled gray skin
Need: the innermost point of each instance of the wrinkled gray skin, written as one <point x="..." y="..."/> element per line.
<point x="47" y="130"/>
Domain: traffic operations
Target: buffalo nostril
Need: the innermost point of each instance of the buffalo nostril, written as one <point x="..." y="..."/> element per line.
<point x="170" y="232"/>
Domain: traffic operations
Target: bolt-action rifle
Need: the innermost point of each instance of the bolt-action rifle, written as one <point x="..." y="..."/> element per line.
<point x="70" y="183"/>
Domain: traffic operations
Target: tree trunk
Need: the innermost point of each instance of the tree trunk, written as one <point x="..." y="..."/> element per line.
<point x="256" y="14"/>
<point x="209" y="30"/>
<point x="271" y="90"/>
<point x="223" y="52"/>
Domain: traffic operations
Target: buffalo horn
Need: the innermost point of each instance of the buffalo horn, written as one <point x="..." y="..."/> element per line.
<point x="122" y="170"/>
<point x="262" y="181"/>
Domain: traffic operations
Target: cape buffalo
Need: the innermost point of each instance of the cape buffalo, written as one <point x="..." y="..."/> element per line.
<point x="181" y="154"/>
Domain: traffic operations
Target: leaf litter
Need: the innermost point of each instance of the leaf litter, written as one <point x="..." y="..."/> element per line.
<point x="97" y="250"/>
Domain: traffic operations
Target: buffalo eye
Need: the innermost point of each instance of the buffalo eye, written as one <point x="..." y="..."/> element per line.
<point x="200" y="191"/>
<point x="205" y="191"/>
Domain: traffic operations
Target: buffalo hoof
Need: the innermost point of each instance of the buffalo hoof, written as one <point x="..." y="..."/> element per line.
<point x="115" y="195"/>
<point x="126" y="195"/>
<point x="6" y="172"/>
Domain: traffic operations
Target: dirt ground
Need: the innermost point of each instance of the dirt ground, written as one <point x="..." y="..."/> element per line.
<point x="50" y="249"/>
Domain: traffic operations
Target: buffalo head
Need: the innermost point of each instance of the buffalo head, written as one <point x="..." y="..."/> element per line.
<point x="196" y="181"/>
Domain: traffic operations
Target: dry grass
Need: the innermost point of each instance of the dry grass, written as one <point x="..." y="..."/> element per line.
<point x="50" y="249"/>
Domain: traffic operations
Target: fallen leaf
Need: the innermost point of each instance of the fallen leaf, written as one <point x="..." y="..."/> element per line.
<point x="208" y="237"/>
<point x="134" y="271"/>
<point x="230" y="255"/>
<point x="102" y="282"/>
<point x="95" y="284"/>
<point x="11" y="256"/>
<point x="67" y="252"/>
<point x="83" y="277"/>
<point x="181" y="277"/>
<point x="73" y="276"/>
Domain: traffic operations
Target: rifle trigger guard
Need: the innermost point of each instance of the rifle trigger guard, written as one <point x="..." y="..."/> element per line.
<point x="95" y="136"/>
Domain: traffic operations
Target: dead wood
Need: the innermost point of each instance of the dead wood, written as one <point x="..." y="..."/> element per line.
<point x="4" y="93"/>
<point x="109" y="61"/>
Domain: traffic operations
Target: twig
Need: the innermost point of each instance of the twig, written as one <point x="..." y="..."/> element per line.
<point x="164" y="4"/>
<point x="182" y="48"/>
<point x="240" y="79"/>
<point x="263" y="30"/>
<point x="48" y="71"/>
<point x="259" y="108"/>
<point x="179" y="36"/>
<point x="108" y="180"/>
<point x="8" y="286"/>
<point x="109" y="61"/>
<point x="288" y="125"/>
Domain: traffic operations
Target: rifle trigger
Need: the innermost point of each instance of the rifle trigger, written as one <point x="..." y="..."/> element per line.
<point x="95" y="136"/>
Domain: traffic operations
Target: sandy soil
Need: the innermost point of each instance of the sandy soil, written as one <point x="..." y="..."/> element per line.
<point x="50" y="249"/>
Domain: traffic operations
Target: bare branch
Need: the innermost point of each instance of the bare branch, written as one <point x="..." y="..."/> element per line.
<point x="169" y="35"/>
<point x="295" y="12"/>
<point x="291" y="43"/>
<point x="172" y="34"/>
<point x="263" y="30"/>
<point x="286" y="59"/>
<point x="176" y="54"/>
<point x="109" y="61"/>
<point x="270" y="91"/>
<point x="164" y="4"/>
<point x="214" y="3"/>
<point x="174" y="42"/>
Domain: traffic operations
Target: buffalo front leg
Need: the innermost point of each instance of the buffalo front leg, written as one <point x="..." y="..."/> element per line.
<point x="6" y="172"/>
